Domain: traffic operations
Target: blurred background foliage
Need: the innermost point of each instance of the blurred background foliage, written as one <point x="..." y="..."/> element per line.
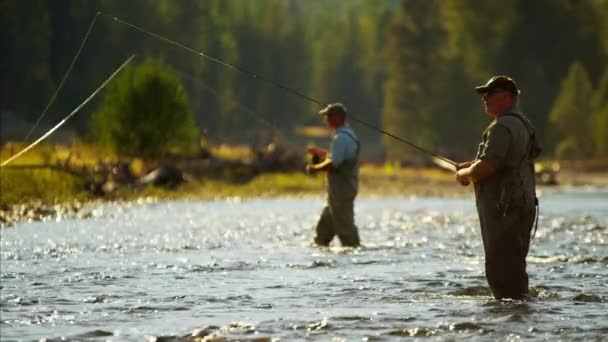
<point x="407" y="66"/>
<point x="146" y="113"/>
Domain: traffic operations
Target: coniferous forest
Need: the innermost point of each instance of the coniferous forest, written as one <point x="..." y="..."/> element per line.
<point x="407" y="66"/>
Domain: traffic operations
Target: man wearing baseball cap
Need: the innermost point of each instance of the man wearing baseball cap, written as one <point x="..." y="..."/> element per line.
<point x="505" y="189"/>
<point x="342" y="167"/>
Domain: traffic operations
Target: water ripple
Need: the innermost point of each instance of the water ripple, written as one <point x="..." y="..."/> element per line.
<point x="185" y="271"/>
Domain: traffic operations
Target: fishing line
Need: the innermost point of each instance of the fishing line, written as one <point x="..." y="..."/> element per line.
<point x="241" y="106"/>
<point x="270" y="81"/>
<point x="69" y="115"/>
<point x="65" y="76"/>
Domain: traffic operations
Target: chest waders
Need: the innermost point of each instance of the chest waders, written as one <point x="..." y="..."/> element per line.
<point x="338" y="217"/>
<point x="343" y="182"/>
<point x="506" y="208"/>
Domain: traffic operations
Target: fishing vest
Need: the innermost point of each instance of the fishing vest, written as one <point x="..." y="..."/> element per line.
<point x="513" y="185"/>
<point x="343" y="182"/>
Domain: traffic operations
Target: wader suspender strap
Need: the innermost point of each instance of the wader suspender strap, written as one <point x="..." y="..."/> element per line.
<point x="536" y="217"/>
<point x="532" y="138"/>
<point x="356" y="142"/>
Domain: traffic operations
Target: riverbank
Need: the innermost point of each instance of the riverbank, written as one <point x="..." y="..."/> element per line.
<point x="29" y="192"/>
<point x="46" y="198"/>
<point x="374" y="182"/>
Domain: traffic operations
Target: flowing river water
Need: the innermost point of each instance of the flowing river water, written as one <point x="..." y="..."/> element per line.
<point x="244" y="270"/>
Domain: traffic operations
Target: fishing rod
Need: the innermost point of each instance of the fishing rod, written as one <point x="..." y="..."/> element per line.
<point x="76" y="110"/>
<point x="270" y="81"/>
<point x="65" y="76"/>
<point x="245" y="109"/>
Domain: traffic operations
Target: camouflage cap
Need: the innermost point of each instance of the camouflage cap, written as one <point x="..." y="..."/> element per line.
<point x="499" y="83"/>
<point x="334" y="108"/>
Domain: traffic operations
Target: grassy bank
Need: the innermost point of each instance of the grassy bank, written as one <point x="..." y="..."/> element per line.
<point x="25" y="184"/>
<point x="43" y="194"/>
<point x="44" y="185"/>
<point x="374" y="182"/>
<point x="49" y="186"/>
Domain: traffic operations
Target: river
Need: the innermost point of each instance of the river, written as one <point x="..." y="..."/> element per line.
<point x="245" y="270"/>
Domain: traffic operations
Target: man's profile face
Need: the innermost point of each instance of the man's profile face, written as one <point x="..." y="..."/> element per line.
<point x="496" y="101"/>
<point x="334" y="120"/>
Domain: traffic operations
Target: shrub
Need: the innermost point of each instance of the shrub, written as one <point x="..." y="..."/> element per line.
<point x="146" y="112"/>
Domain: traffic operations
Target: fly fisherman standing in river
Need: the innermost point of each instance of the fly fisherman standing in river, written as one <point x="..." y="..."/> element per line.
<point x="503" y="175"/>
<point x="342" y="167"/>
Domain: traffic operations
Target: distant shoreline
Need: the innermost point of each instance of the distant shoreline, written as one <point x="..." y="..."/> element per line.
<point x="373" y="184"/>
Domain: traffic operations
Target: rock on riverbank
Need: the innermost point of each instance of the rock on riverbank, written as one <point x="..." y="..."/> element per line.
<point x="38" y="211"/>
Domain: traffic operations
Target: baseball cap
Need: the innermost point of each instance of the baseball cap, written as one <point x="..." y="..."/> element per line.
<point x="499" y="83"/>
<point x="334" y="108"/>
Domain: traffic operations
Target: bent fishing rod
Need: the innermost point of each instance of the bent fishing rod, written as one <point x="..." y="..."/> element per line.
<point x="65" y="76"/>
<point x="269" y="81"/>
<point x="74" y="112"/>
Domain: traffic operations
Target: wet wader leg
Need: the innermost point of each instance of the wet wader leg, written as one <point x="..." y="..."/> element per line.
<point x="506" y="264"/>
<point x="343" y="215"/>
<point x="325" y="228"/>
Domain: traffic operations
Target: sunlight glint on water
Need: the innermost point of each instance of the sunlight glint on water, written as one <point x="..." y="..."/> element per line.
<point x="246" y="269"/>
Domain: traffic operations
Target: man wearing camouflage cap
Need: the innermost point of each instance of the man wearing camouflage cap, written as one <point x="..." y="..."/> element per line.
<point x="342" y="167"/>
<point x="503" y="177"/>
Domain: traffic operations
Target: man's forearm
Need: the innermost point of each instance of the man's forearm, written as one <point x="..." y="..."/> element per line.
<point x="325" y="165"/>
<point x="478" y="171"/>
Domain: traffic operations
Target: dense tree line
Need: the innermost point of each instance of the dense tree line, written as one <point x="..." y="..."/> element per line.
<point x="437" y="50"/>
<point x="407" y="66"/>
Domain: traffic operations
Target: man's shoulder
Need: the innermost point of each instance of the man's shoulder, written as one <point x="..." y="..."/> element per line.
<point x="512" y="121"/>
<point x="510" y="118"/>
<point x="346" y="131"/>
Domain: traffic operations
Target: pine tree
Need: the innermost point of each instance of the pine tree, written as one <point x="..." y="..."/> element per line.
<point x="415" y="36"/>
<point x="26" y="83"/>
<point x="601" y="133"/>
<point x="600" y="116"/>
<point x="146" y="112"/>
<point x="572" y="113"/>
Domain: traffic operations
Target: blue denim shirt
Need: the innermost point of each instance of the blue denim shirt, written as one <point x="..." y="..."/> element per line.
<point x="343" y="146"/>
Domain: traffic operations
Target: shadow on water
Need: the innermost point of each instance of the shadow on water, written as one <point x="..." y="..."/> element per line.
<point x="473" y="291"/>
<point x="511" y="310"/>
<point x="589" y="298"/>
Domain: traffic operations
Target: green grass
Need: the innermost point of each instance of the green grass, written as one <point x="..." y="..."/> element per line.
<point x="44" y="185"/>
<point x="266" y="185"/>
<point x="48" y="186"/>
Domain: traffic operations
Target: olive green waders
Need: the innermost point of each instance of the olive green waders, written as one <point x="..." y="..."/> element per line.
<point x="506" y="243"/>
<point x="506" y="203"/>
<point x="338" y="216"/>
